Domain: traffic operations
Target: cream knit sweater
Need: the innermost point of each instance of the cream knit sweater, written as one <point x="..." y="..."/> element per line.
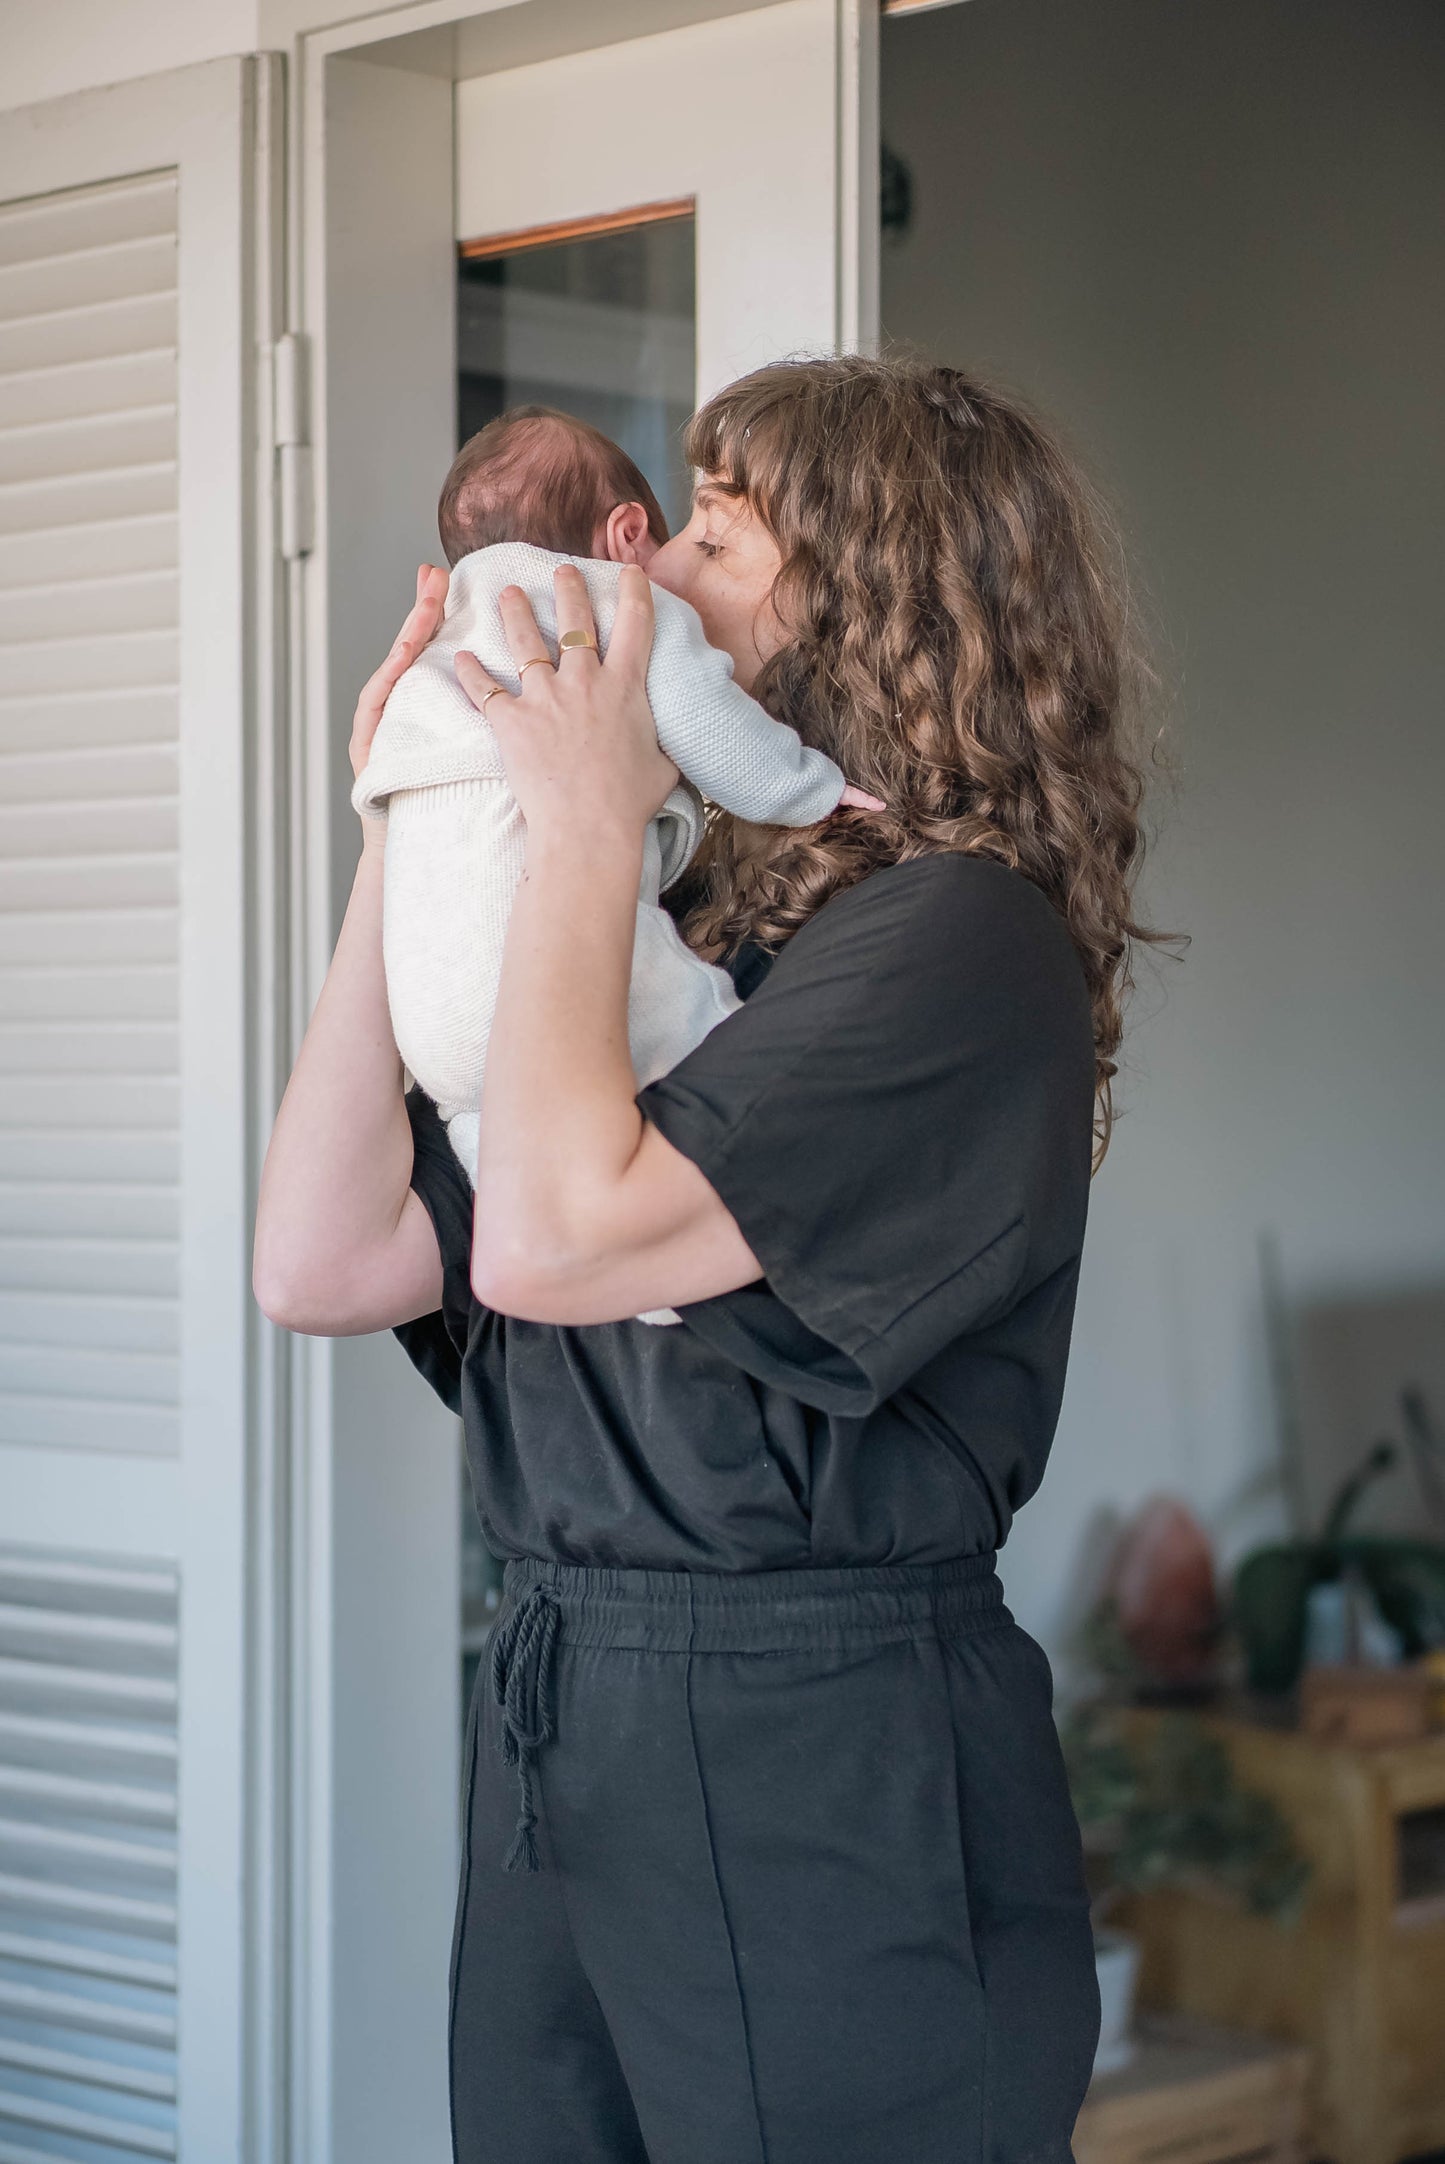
<point x="455" y="836"/>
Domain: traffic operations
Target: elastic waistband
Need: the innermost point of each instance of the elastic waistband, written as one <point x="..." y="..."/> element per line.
<point x="762" y="1611"/>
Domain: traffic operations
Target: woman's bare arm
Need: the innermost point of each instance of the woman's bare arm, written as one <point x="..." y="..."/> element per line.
<point x="589" y="1213"/>
<point x="342" y="1244"/>
<point x="585" y="1212"/>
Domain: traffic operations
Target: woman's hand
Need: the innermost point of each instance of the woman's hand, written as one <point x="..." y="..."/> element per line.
<point x="420" y="628"/>
<point x="578" y="744"/>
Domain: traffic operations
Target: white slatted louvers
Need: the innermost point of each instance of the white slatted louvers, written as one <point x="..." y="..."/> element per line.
<point x="89" y="921"/>
<point x="142" y="1946"/>
<point x="89" y="1150"/>
<point x="88" y="1677"/>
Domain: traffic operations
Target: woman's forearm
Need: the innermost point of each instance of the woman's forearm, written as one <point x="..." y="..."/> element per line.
<point x="339" y="1161"/>
<point x="559" y="1126"/>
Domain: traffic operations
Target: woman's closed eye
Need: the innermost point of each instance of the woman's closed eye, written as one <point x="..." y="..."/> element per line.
<point x="709" y="548"/>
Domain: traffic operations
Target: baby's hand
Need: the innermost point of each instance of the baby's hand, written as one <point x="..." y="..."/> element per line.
<point x="853" y="795"/>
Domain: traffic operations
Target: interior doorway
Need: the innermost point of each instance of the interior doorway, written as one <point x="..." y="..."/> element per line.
<point x="476" y="227"/>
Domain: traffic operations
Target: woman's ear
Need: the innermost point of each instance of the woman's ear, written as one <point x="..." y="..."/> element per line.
<point x="628" y="537"/>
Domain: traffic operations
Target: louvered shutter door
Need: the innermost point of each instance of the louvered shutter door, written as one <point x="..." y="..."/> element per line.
<point x="87" y="1856"/>
<point x="127" y="477"/>
<point x="89" y="916"/>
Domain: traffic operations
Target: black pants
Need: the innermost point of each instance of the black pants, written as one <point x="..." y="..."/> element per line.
<point x="805" y="1885"/>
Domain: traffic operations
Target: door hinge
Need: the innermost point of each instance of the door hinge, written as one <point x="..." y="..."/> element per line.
<point x="295" y="491"/>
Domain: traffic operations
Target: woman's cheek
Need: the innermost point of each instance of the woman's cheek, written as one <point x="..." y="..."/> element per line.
<point x="695" y="587"/>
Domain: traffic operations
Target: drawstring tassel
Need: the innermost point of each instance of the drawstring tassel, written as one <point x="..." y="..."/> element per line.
<point x="524" y="1848"/>
<point x="522" y="1687"/>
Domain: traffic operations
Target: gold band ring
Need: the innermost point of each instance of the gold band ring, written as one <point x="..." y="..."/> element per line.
<point x="538" y="661"/>
<point x="578" y="638"/>
<point x="489" y="695"/>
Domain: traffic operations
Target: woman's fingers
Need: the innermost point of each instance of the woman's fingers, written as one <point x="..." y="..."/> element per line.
<point x="630" y="645"/>
<point x="579" y="743"/>
<point x="473" y="678"/>
<point x="422" y="624"/>
<point x="523" y="637"/>
<point x="575" y="621"/>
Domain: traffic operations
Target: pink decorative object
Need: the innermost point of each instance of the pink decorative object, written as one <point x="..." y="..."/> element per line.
<point x="1164" y="1590"/>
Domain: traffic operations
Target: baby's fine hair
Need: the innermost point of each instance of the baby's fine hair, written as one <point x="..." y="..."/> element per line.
<point x="538" y="475"/>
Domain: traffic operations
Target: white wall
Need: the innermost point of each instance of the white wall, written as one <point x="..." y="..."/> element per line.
<point x="50" y="47"/>
<point x="1206" y="238"/>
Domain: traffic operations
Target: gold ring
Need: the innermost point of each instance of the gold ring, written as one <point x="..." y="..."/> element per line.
<point x="490" y="695"/>
<point x="538" y="661"/>
<point x="578" y="638"/>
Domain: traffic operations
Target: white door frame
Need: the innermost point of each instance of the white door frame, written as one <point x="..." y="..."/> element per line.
<point x="778" y="268"/>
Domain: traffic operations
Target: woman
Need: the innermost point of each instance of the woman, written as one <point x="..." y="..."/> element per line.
<point x="791" y="1871"/>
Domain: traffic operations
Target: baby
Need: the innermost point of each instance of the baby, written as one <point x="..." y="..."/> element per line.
<point x="531" y="490"/>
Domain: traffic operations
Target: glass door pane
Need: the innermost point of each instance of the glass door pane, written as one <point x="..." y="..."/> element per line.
<point x="598" y="321"/>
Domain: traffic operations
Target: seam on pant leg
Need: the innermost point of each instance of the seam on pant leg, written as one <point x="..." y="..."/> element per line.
<point x="985" y="2104"/>
<point x="463" y="1890"/>
<point x="939" y="1648"/>
<point x="722" y="1905"/>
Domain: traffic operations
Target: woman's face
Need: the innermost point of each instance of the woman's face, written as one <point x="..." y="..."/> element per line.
<point x="724" y="561"/>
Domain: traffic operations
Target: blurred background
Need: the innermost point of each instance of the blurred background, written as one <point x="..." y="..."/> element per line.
<point x="263" y="264"/>
<point x="1207" y="240"/>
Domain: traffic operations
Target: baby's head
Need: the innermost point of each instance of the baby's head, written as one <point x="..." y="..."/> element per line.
<point x="541" y="476"/>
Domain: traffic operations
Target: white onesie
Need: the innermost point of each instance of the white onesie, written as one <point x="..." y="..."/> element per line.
<point x="455" y="835"/>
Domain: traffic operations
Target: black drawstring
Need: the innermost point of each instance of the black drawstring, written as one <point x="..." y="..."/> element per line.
<point x="522" y="1687"/>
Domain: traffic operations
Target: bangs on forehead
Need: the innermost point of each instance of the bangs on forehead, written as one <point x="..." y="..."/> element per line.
<point x="736" y="441"/>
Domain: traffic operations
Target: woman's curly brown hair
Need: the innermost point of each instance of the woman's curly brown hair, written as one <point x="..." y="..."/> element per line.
<point x="957" y="645"/>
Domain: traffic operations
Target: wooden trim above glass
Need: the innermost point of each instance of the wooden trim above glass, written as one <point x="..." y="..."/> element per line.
<point x="549" y="236"/>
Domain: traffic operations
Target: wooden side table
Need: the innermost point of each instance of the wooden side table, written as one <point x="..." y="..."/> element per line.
<point x="1360" y="1978"/>
<point x="1196" y="2093"/>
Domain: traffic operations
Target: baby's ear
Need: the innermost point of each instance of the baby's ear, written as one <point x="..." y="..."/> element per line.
<point x="628" y="536"/>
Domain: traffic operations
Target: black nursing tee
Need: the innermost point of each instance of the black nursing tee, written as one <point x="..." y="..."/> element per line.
<point x="899" y="1116"/>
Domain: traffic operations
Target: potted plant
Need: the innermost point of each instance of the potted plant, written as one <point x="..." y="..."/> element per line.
<point x="1405" y="1577"/>
<point x="1163" y="1810"/>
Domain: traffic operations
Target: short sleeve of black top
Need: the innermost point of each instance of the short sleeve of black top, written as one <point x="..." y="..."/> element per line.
<point x="900" y="1119"/>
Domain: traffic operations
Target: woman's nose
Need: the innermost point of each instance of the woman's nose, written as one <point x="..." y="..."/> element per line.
<point x="667" y="567"/>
